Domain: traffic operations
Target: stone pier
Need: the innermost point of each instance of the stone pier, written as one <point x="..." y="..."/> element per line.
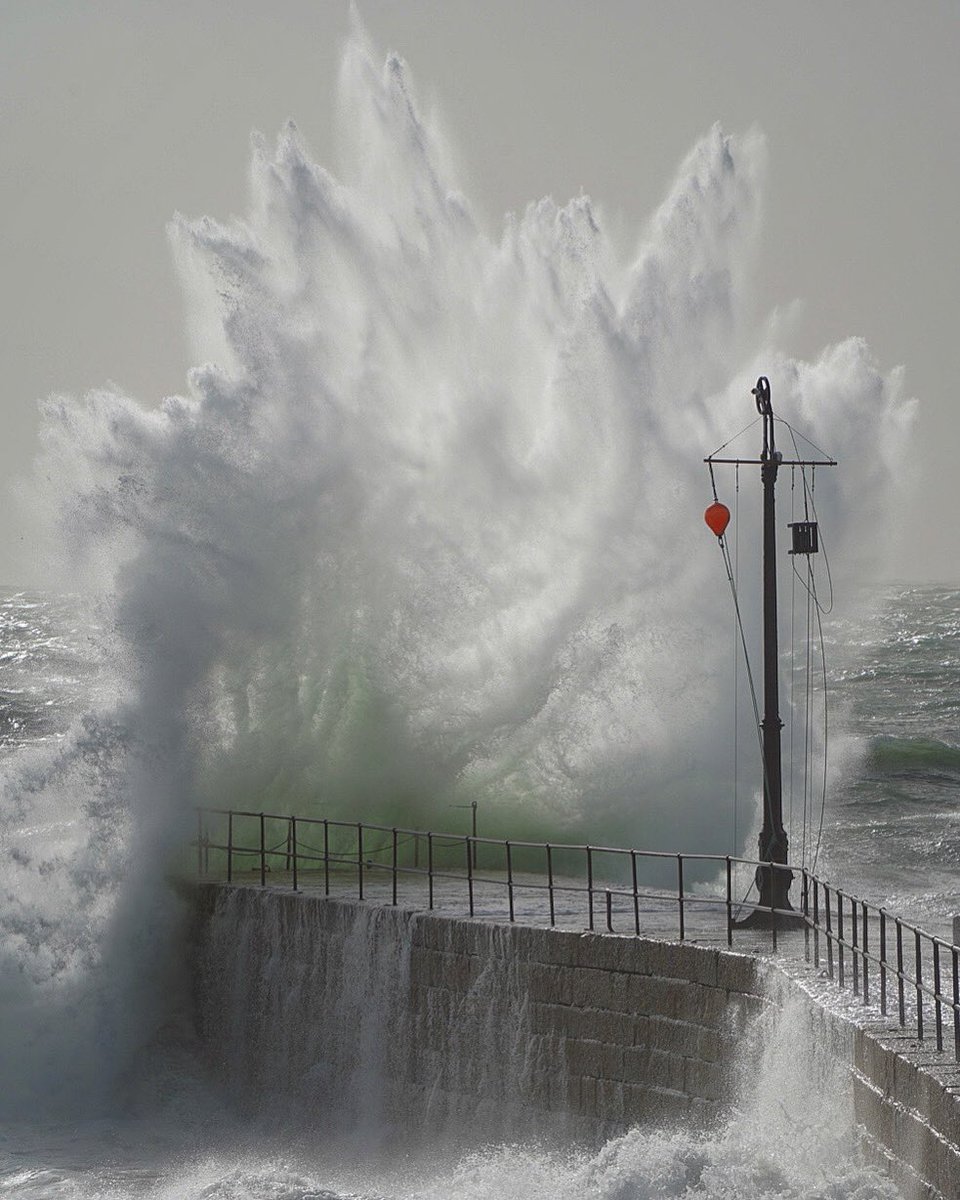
<point x="522" y="1030"/>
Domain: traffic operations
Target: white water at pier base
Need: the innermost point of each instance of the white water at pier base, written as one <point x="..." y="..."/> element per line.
<point x="329" y="1015"/>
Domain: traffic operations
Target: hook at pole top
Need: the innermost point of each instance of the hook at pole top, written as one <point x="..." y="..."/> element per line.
<point x="762" y="394"/>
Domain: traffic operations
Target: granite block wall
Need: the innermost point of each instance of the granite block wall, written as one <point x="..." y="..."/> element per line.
<point x="425" y="1022"/>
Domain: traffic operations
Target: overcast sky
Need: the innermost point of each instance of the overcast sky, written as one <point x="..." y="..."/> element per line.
<point x="114" y="114"/>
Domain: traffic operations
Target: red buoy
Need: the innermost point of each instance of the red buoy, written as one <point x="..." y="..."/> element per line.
<point x="717" y="517"/>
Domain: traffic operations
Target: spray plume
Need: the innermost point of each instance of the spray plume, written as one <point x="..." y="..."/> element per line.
<point x="425" y="529"/>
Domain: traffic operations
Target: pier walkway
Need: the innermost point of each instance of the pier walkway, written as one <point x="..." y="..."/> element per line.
<point x="886" y="966"/>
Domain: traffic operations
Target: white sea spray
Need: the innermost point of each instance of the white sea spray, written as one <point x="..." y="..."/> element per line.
<point x="424" y="529"/>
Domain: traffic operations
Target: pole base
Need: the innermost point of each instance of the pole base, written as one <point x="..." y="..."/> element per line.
<point x="774" y="910"/>
<point x="763" y="919"/>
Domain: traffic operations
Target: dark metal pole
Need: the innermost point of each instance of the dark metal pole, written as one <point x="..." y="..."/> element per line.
<point x="773" y="875"/>
<point x="553" y="913"/>
<point x="229" y="847"/>
<point x="590" y="883"/>
<point x="774" y="885"/>
<point x="636" y="897"/>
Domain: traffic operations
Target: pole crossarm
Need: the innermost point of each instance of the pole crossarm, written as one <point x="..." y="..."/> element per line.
<point x="783" y="462"/>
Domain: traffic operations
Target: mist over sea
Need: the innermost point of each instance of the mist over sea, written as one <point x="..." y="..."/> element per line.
<point x="425" y="529"/>
<point x="891" y="828"/>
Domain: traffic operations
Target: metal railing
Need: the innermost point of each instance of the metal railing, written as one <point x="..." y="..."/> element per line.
<point x="883" y="958"/>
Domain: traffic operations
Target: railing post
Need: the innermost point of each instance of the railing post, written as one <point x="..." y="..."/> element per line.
<point x="636" y="898"/>
<point x="609" y="903"/>
<point x="590" y="885"/>
<point x="854" y="953"/>
<point x="729" y="902"/>
<point x="680" y="891"/>
<point x="553" y="916"/>
<point x="883" y="962"/>
<point x="955" y="954"/>
<point x="509" y="877"/>
<point x="230" y="847"/>
<point x="816" y="922"/>
<point x="360" y="860"/>
<point x="326" y="857"/>
<point x="293" y="846"/>
<point x="394" y="895"/>
<point x="865" y="944"/>
<point x="900" y="989"/>
<point x="918" y="955"/>
<point x="826" y="901"/>
<point x="937" y="1013"/>
<point x="466" y="842"/>
<point x="430" y="868"/>
<point x="840" y="936"/>
<point x="805" y="906"/>
<point x="263" y="851"/>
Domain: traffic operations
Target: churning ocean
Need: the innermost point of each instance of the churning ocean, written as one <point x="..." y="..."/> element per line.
<point x="891" y="832"/>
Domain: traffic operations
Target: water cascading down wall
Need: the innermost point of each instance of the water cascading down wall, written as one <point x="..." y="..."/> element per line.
<point x="405" y="1028"/>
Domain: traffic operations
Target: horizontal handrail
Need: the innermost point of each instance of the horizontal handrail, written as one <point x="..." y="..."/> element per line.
<point x="460" y="837"/>
<point x="827" y="914"/>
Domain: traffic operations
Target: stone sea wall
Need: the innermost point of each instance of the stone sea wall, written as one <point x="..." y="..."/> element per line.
<point x="434" y="1024"/>
<point x="907" y="1106"/>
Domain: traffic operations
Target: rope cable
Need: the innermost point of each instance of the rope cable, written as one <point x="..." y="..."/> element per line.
<point x="746" y="657"/>
<point x="794" y="434"/>
<point x="826" y="732"/>
<point x="807" y="710"/>
<point x="736" y="670"/>
<point x="725" y="554"/>
<point x="809" y="496"/>
<point x="744" y="430"/>
<point x="793" y="656"/>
